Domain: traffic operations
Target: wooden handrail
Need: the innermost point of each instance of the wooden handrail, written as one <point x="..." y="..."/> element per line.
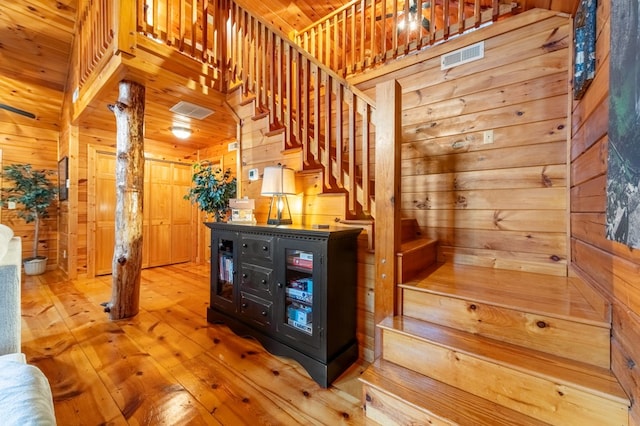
<point x="396" y="28"/>
<point x="330" y="16"/>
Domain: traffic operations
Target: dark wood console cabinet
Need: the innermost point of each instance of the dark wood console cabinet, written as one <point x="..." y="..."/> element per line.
<point x="291" y="288"/>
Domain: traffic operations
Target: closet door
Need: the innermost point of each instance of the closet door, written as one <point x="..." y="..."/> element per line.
<point x="182" y="235"/>
<point x="105" y="212"/>
<point x="159" y="206"/>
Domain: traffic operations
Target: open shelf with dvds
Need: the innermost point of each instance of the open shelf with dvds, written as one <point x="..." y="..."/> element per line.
<point x="299" y="290"/>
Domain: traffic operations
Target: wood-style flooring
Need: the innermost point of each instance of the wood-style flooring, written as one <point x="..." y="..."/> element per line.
<point x="167" y="365"/>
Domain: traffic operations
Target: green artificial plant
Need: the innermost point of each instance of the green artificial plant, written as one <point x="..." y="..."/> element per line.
<point x="211" y="189"/>
<point x="33" y="194"/>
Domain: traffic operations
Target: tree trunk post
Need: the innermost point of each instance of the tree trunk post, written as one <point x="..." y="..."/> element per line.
<point x="127" y="255"/>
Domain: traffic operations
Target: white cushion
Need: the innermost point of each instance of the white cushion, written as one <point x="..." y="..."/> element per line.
<point x="15" y="357"/>
<point x="25" y="395"/>
<point x="6" y="234"/>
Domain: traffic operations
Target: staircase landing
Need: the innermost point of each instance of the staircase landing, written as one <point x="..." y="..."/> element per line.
<point x="559" y="297"/>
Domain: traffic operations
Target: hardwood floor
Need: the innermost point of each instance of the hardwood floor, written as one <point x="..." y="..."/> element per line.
<point x="167" y="365"/>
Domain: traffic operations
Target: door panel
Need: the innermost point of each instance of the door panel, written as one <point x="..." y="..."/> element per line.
<point x="105" y="213"/>
<point x="182" y="239"/>
<point x="160" y="213"/>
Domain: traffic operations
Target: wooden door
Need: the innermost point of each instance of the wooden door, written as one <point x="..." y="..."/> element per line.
<point x="159" y="206"/>
<point x="105" y="212"/>
<point x="146" y="220"/>
<point x="182" y="237"/>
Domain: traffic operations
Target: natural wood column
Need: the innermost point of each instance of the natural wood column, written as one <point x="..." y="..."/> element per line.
<point x="127" y="255"/>
<point x="387" y="209"/>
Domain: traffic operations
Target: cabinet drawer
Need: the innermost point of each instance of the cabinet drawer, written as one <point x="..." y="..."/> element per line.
<point x="257" y="247"/>
<point x="255" y="310"/>
<point x="256" y="279"/>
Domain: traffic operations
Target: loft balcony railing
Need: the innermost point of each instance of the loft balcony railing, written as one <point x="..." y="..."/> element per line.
<point x="366" y="33"/>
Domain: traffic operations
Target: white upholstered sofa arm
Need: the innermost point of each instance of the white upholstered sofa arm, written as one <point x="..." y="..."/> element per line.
<point x="25" y="394"/>
<point x="10" y="273"/>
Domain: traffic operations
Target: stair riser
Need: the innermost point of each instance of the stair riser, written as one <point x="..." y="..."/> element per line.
<point x="411" y="264"/>
<point x="386" y="409"/>
<point x="569" y="339"/>
<point x="535" y="396"/>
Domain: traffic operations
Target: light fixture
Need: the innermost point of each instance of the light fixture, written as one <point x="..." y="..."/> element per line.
<point x="181" y="132"/>
<point x="278" y="182"/>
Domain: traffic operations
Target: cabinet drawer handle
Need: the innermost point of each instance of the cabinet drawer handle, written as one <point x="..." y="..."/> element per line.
<point x="264" y="313"/>
<point x="244" y="275"/>
<point x="264" y="281"/>
<point x="244" y="305"/>
<point x="244" y="245"/>
<point x="265" y="248"/>
<point x="280" y="285"/>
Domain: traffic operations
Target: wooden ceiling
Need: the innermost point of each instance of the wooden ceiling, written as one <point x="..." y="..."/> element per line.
<point x="35" y="46"/>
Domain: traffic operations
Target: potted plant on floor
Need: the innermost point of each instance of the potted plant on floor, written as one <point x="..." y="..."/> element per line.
<point x="212" y="189"/>
<point x="33" y="193"/>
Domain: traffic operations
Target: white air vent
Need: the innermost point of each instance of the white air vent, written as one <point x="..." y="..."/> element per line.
<point x="462" y="56"/>
<point x="191" y="110"/>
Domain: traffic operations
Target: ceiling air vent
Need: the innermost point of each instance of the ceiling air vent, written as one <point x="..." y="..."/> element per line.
<point x="191" y="110"/>
<point x="462" y="56"/>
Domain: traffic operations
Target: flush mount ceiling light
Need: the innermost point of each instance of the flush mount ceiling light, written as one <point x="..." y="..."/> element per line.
<point x="181" y="132"/>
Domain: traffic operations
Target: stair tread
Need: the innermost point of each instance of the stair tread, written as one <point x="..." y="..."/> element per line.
<point x="416" y="244"/>
<point x="444" y="401"/>
<point x="554" y="296"/>
<point x="592" y="379"/>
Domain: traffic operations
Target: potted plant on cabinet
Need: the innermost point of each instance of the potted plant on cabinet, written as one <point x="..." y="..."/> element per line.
<point x="33" y="193"/>
<point x="212" y="189"/>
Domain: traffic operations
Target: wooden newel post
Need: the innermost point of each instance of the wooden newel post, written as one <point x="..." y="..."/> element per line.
<point x="127" y="255"/>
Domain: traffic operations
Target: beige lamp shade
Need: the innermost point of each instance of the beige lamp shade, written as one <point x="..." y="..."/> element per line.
<point x="278" y="180"/>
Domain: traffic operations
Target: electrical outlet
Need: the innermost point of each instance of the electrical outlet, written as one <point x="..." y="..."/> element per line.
<point x="64" y="254"/>
<point x="11" y="205"/>
<point x="488" y="136"/>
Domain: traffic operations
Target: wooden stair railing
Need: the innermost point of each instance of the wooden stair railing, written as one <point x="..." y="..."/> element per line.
<point x="332" y="122"/>
<point x="366" y="33"/>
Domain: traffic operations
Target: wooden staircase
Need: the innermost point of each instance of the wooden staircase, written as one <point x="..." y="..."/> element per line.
<point x="480" y="346"/>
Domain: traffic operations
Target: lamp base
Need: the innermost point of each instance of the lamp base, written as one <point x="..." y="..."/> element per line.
<point x="279" y="213"/>
<point x="279" y="222"/>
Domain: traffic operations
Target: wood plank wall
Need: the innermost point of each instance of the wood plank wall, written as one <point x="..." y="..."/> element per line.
<point x="484" y="146"/>
<point x="34" y="141"/>
<point x="612" y="267"/>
